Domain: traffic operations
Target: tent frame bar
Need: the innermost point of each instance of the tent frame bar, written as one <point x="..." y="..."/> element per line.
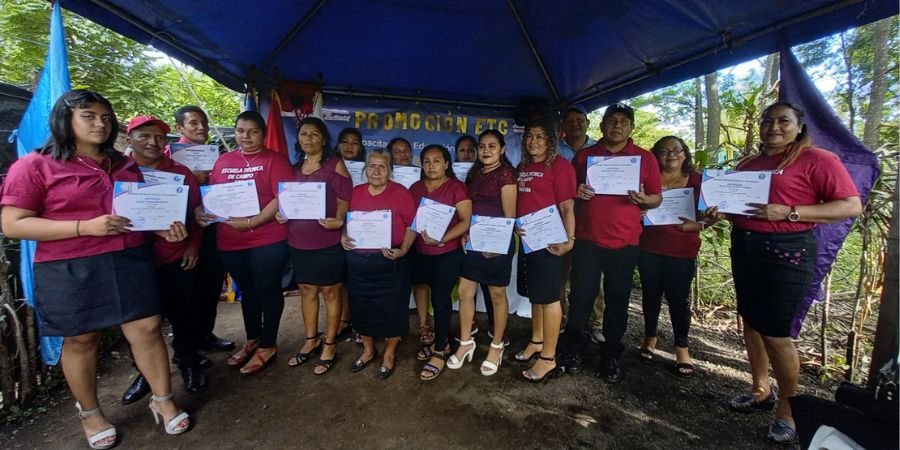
<point x="120" y="13"/>
<point x="737" y="42"/>
<point x="534" y="52"/>
<point x="352" y="93"/>
<point x="293" y="33"/>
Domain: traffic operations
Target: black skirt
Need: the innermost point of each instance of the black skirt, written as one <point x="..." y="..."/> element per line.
<point x="81" y="295"/>
<point x="539" y="276"/>
<point x="378" y="289"/>
<point x="490" y="271"/>
<point x="772" y="275"/>
<point x="322" y="267"/>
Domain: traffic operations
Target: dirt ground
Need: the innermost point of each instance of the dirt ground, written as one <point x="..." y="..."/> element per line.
<point x="287" y="407"/>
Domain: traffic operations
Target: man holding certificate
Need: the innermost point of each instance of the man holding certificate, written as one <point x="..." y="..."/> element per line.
<point x="438" y="251"/>
<point x="174" y="261"/>
<point x="378" y="278"/>
<point x="253" y="247"/>
<point x="546" y="190"/>
<point x="616" y="180"/>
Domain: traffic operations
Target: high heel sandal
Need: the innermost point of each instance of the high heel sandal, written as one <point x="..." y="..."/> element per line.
<point x="521" y="357"/>
<point x="95" y="439"/>
<point x="432" y="369"/>
<point x="301" y="357"/>
<point x="454" y="363"/>
<point x="243" y="355"/>
<point x="176" y="425"/>
<point x="489" y="368"/>
<point x="533" y="377"/>
<point x="325" y="363"/>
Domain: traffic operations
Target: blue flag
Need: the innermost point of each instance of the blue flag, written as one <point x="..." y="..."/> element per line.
<point x="33" y="132"/>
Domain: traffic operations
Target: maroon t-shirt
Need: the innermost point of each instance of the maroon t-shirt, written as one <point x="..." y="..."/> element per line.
<point x="815" y="176"/>
<point x="308" y="234"/>
<point x="612" y="221"/>
<point x="166" y="252"/>
<point x="395" y="198"/>
<point x="541" y="186"/>
<point x="449" y="193"/>
<point x="267" y="168"/>
<point x="485" y="189"/>
<point x="77" y="189"/>
<point x="670" y="241"/>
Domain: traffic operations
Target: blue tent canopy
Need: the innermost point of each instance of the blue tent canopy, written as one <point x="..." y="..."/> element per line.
<point x="489" y="52"/>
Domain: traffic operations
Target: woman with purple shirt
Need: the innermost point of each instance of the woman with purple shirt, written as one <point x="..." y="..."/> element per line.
<point x="316" y="253"/>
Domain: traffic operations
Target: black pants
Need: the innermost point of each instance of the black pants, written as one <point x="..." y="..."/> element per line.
<point x="671" y="276"/>
<point x="589" y="263"/>
<point x="208" y="285"/>
<point x="440" y="273"/>
<point x="258" y="272"/>
<point x="176" y="286"/>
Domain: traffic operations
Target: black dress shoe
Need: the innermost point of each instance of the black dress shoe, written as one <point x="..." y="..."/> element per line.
<point x="214" y="343"/>
<point x="200" y="361"/>
<point x="139" y="389"/>
<point x="570" y="363"/>
<point x="194" y="379"/>
<point x="611" y="371"/>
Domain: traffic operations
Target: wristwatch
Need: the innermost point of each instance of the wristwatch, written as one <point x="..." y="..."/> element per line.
<point x="794" y="216"/>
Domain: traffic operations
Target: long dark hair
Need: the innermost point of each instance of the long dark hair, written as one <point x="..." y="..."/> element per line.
<point x="552" y="141"/>
<point x="794" y="149"/>
<point x="687" y="167"/>
<point x="446" y="155"/>
<point x="327" y="151"/>
<point x="61" y="143"/>
<point x="478" y="166"/>
<point x="361" y="156"/>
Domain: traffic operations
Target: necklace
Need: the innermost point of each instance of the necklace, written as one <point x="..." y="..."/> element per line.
<point x="246" y="161"/>
<point x="106" y="171"/>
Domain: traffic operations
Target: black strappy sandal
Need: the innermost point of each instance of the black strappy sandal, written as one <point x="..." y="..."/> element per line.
<point x="301" y="357"/>
<point x="325" y="363"/>
<point x="532" y="376"/>
<point x="520" y="357"/>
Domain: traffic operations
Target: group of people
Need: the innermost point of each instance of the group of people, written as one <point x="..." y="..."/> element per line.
<point x="91" y="272"/>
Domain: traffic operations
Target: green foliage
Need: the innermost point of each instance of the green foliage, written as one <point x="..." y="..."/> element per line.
<point x="135" y="78"/>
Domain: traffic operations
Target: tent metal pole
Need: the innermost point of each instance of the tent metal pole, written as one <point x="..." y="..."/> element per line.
<point x="534" y="52"/>
<point x="120" y="13"/>
<point x="350" y="93"/>
<point x="737" y="42"/>
<point x="290" y="36"/>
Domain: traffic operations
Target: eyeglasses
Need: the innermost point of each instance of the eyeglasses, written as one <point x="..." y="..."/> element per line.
<point x="673" y="152"/>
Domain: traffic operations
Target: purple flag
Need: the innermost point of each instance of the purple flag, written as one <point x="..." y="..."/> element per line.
<point x="828" y="132"/>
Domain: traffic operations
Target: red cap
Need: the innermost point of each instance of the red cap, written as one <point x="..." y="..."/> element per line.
<point x="140" y="121"/>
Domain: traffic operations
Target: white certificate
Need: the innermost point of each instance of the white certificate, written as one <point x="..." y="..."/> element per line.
<point x="614" y="175"/>
<point x="237" y="199"/>
<point x="301" y="201"/>
<point x="490" y="234"/>
<point x="433" y="218"/>
<point x="542" y="228"/>
<point x="676" y="203"/>
<point x="370" y="230"/>
<point x="461" y="169"/>
<point x="732" y="190"/>
<point x="357" y="171"/>
<point x="407" y="175"/>
<point x="159" y="177"/>
<point x="150" y="207"/>
<point x="196" y="157"/>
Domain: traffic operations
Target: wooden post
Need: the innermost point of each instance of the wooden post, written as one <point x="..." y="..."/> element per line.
<point x="885" y="346"/>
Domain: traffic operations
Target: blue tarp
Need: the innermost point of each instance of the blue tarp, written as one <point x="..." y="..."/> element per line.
<point x="494" y="52"/>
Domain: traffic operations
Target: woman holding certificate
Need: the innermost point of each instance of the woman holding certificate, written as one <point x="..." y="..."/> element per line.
<point x="252" y="243"/>
<point x="377" y="238"/>
<point x="90" y="271"/>
<point x="315" y="241"/>
<point x="668" y="257"/>
<point x="492" y="185"/>
<point x="773" y="253"/>
<point x="546" y="190"/>
<point x="442" y="218"/>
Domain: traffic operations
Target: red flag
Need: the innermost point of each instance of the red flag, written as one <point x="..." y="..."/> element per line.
<point x="275" y="139"/>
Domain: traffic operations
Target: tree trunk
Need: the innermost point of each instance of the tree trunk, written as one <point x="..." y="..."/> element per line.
<point x="699" y="142"/>
<point x="882" y="30"/>
<point x="770" y="79"/>
<point x="713" y="111"/>
<point x="885" y="346"/>
<point x="850" y="93"/>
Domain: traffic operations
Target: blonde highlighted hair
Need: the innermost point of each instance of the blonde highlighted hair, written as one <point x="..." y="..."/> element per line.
<point x="794" y="149"/>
